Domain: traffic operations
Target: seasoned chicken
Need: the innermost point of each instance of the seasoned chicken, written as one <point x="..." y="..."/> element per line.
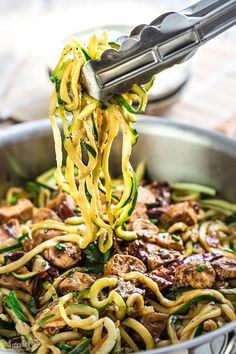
<point x="10" y="231"/>
<point x="157" y="256"/>
<point x="145" y="196"/>
<point x="180" y="212"/>
<point x="40" y="236"/>
<point x="146" y="230"/>
<point x="44" y="214"/>
<point x="160" y="279"/>
<point x="121" y="264"/>
<point x="10" y="282"/>
<point x="51" y="328"/>
<point x="138" y="249"/>
<point x="63" y="205"/>
<point x="203" y="257"/>
<point x="127" y="288"/>
<point x="22" y="211"/>
<point x="170" y="241"/>
<point x="224" y="268"/>
<point x="162" y="193"/>
<point x="194" y="274"/>
<point x="140" y="211"/>
<point x="77" y="281"/>
<point x="151" y="254"/>
<point x="155" y="323"/>
<point x="64" y="255"/>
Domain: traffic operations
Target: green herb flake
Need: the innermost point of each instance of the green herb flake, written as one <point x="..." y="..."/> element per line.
<point x="13" y="200"/>
<point x="60" y="247"/>
<point x="200" y="267"/>
<point x="175" y="238"/>
<point x="95" y="259"/>
<point x="32" y="306"/>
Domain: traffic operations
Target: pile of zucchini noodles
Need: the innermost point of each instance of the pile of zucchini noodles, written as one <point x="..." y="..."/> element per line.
<point x="89" y="134"/>
<point x="99" y="320"/>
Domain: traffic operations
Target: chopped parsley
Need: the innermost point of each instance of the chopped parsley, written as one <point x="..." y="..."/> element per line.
<point x="61" y="247"/>
<point x="200" y="267"/>
<point x="13" y="200"/>
<point x="95" y="259"/>
<point x="175" y="238"/>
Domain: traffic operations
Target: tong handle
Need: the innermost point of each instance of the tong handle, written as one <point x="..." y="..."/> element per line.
<point x="214" y="17"/>
<point x="170" y="39"/>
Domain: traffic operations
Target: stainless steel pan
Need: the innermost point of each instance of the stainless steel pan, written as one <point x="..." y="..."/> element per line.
<point x="173" y="152"/>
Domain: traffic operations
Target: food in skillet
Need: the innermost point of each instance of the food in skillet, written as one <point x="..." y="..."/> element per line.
<point x="100" y="265"/>
<point x="171" y="280"/>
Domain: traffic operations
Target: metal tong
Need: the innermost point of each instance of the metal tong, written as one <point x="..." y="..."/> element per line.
<point x="171" y="39"/>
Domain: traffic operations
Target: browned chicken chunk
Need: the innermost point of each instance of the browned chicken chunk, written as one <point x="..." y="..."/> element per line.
<point x="63" y="205"/>
<point x="180" y="212"/>
<point x="140" y="211"/>
<point x="157" y="256"/>
<point x="151" y="254"/>
<point x="10" y="282"/>
<point x="155" y="323"/>
<point x="51" y="328"/>
<point x="22" y="211"/>
<point x="170" y="241"/>
<point x="44" y="214"/>
<point x="160" y="281"/>
<point x="64" y="256"/>
<point x="146" y="230"/>
<point x="121" y="264"/>
<point x="194" y="274"/>
<point x="224" y="268"/>
<point x="127" y="288"/>
<point x="146" y="196"/>
<point x="10" y="230"/>
<point x="77" y="281"/>
<point x="40" y="236"/>
<point x="162" y="193"/>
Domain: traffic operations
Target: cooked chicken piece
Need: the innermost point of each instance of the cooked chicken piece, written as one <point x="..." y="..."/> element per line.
<point x="127" y="288"/>
<point x="138" y="249"/>
<point x="145" y="196"/>
<point x="151" y="254"/>
<point x="212" y="241"/>
<point x="224" y="268"/>
<point x="194" y="274"/>
<point x="10" y="282"/>
<point x="77" y="281"/>
<point x="63" y="205"/>
<point x="209" y="257"/>
<point x="64" y="255"/>
<point x="140" y="211"/>
<point x="155" y="323"/>
<point x="45" y="214"/>
<point x="160" y="280"/>
<point x="40" y="236"/>
<point x="156" y="212"/>
<point x="22" y="211"/>
<point x="180" y="212"/>
<point x="51" y="328"/>
<point x="157" y="256"/>
<point x="162" y="193"/>
<point x="121" y="264"/>
<point x="170" y="241"/>
<point x="10" y="231"/>
<point x="146" y="230"/>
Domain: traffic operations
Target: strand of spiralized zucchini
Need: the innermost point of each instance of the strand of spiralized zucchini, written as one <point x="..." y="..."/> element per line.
<point x="91" y="132"/>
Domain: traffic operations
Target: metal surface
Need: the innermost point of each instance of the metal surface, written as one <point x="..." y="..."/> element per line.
<point x="173" y="152"/>
<point x="170" y="39"/>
